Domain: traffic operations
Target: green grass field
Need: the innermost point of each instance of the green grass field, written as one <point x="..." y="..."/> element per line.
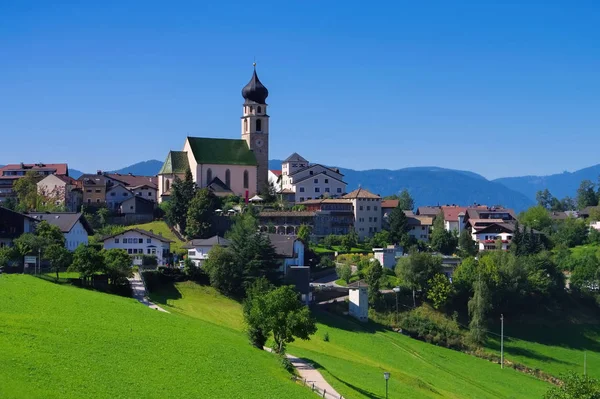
<point x="319" y="249"/>
<point x="58" y="341"/>
<point x="356" y="356"/>
<point x="160" y="227"/>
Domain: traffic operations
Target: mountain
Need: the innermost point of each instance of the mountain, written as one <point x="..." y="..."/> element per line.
<point x="433" y="185"/>
<point x="560" y="184"/>
<point x="145" y="168"/>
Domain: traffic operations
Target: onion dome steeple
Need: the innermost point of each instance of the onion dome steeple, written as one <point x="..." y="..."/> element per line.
<point x="255" y="91"/>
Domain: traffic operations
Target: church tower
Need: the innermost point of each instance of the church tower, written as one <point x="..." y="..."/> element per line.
<point x="255" y="127"/>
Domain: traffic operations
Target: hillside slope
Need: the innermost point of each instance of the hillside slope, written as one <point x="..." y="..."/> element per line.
<point x="66" y="342"/>
<point x="560" y="184"/>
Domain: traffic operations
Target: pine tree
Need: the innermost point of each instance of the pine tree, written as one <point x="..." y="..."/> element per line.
<point x="398" y="225"/>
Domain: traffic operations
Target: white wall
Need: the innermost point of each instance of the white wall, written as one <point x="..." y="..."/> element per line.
<point x="481" y="238"/>
<point x="420" y="233"/>
<point x="298" y="260"/>
<point x="359" y="303"/>
<point x="367" y="216"/>
<point x="199" y="254"/>
<point x="136" y="247"/>
<point x="77" y="235"/>
<point x="386" y="257"/>
<point x="116" y="196"/>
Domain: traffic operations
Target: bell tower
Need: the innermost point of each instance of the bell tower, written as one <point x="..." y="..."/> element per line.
<point x="255" y="126"/>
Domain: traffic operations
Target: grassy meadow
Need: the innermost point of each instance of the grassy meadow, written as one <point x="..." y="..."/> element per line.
<point x="356" y="355"/>
<point x="59" y="341"/>
<point x="160" y="227"/>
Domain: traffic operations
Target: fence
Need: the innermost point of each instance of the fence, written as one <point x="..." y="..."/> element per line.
<point x="321" y="392"/>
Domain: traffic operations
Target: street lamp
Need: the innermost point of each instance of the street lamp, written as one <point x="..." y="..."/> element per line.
<point x="386" y="375"/>
<point x="397" y="291"/>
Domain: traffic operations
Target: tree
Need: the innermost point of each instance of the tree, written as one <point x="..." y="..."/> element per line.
<point x="571" y="232"/>
<point x="253" y="251"/>
<point x="405" y="201"/>
<point x="87" y="261"/>
<point x="586" y="270"/>
<point x="285" y="317"/>
<point x="182" y="193"/>
<point x="224" y="272"/>
<point x="27" y="192"/>
<point x="439" y="290"/>
<point x="200" y="213"/>
<point x="380" y="239"/>
<point x="478" y="306"/>
<point x="373" y="278"/>
<point x="190" y="269"/>
<point x="568" y="204"/>
<point x="8" y="255"/>
<point x="595" y="214"/>
<point x="544" y="198"/>
<point x="254" y="309"/>
<point x="344" y="272"/>
<point x="117" y="264"/>
<point x="59" y="257"/>
<point x="304" y="233"/>
<point x="575" y="386"/>
<point x="398" y="225"/>
<point x="102" y="216"/>
<point x="442" y="240"/>
<point x="30" y="243"/>
<point x="586" y="196"/>
<point x="349" y="241"/>
<point x="417" y="269"/>
<point x="466" y="244"/>
<point x="50" y="232"/>
<point x="538" y="218"/>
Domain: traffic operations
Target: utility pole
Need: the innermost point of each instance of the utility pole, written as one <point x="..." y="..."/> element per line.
<point x="584" y="363"/>
<point x="502" y="341"/>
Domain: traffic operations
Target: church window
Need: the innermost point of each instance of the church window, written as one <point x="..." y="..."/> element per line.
<point x="245" y="125"/>
<point x="259" y="125"/>
<point x="259" y="109"/>
<point x="251" y="109"/>
<point x="167" y="185"/>
<point x="208" y="176"/>
<point x="228" y="178"/>
<point x="246" y="184"/>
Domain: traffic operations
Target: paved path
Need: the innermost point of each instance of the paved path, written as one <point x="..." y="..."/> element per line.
<point x="139" y="292"/>
<point x="310" y="376"/>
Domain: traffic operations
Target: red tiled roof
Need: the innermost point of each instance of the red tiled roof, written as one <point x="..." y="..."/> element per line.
<point x="361" y="193"/>
<point x="389" y="203"/>
<point x="276" y="172"/>
<point x="451" y="212"/>
<point x="59" y="168"/>
<point x="135" y="181"/>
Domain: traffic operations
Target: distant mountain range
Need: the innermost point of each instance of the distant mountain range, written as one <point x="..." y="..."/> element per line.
<point x="433" y="185"/>
<point x="560" y="184"/>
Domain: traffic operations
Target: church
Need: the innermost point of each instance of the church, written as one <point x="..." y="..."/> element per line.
<point x="227" y="166"/>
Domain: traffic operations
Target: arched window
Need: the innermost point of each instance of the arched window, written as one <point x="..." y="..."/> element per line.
<point x="208" y="176"/>
<point x="246" y="179"/>
<point x="228" y="178"/>
<point x="258" y="125"/>
<point x="251" y="109"/>
<point x="245" y="125"/>
<point x="259" y="109"/>
<point x="167" y="185"/>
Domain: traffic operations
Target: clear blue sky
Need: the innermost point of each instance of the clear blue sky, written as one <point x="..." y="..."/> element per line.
<point x="501" y="90"/>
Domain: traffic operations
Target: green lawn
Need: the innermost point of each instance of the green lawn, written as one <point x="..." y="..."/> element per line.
<point x="160" y="227"/>
<point x="319" y="249"/>
<point x="581" y="249"/>
<point x="59" y="341"/>
<point x="356" y="356"/>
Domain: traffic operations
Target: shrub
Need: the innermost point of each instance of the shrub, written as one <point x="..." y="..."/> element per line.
<point x="425" y="324"/>
<point x="286" y="364"/>
<point x="326" y="337"/>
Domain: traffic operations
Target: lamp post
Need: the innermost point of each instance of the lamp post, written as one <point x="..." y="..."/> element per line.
<point x="386" y="375"/>
<point x="397" y="291"/>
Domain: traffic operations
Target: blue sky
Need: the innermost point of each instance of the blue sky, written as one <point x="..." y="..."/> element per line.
<point x="501" y="90"/>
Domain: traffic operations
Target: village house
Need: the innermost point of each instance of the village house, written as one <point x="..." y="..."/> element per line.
<point x="13" y="225"/>
<point x="198" y="249"/>
<point x="289" y="250"/>
<point x="138" y="242"/>
<point x="10" y="173"/>
<point x="62" y="190"/>
<point x="332" y="216"/>
<point x="420" y="227"/>
<point x="367" y="212"/>
<point x="74" y="226"/>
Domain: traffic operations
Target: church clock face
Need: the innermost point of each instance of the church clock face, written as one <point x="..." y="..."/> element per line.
<point x="259" y="143"/>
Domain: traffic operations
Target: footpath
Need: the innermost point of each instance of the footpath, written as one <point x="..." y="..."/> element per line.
<point x="139" y="292"/>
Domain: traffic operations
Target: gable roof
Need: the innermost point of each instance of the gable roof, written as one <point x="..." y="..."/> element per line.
<point x="221" y="151"/>
<point x="313" y="165"/>
<point x="275" y="172"/>
<point x="135" y="181"/>
<point x="318" y="174"/>
<point x="420" y="220"/>
<point x="142" y="232"/>
<point x="93" y="179"/>
<point x="295" y="157"/>
<point x="451" y="212"/>
<point x="284" y="245"/>
<point x="389" y="203"/>
<point x="208" y="242"/>
<point x="361" y="193"/>
<point x="219" y="188"/>
<point x="429" y="210"/>
<point x="63" y="220"/>
<point x="176" y="162"/>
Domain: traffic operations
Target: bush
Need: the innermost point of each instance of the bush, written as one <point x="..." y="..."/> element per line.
<point x="326" y="337"/>
<point x="326" y="262"/>
<point x="286" y="364"/>
<point x="427" y="325"/>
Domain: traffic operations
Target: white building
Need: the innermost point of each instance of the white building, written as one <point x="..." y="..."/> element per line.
<point x="367" y="212"/>
<point x="387" y="256"/>
<point x="115" y="195"/>
<point x="358" y="305"/>
<point x="138" y="242"/>
<point x="420" y="227"/>
<point x="74" y="226"/>
<point x="198" y="249"/>
<point x="289" y="250"/>
<point x="310" y="181"/>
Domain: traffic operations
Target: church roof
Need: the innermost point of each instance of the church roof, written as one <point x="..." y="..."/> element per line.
<point x="255" y="91"/>
<point x="221" y="151"/>
<point x="176" y="162"/>
<point x="295" y="157"/>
